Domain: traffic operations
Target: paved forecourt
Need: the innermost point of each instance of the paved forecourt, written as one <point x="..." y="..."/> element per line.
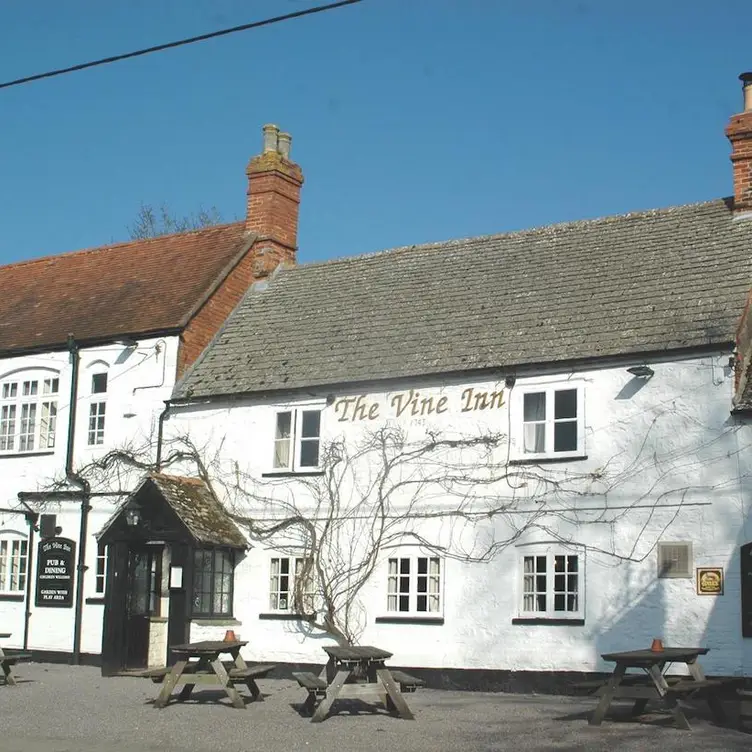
<point x="58" y="708"/>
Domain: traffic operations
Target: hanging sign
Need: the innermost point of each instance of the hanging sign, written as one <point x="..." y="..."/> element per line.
<point x="55" y="568"/>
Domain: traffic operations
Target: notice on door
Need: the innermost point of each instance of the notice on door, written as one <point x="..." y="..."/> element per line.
<point x="56" y="565"/>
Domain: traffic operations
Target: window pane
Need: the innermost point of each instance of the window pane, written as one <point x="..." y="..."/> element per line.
<point x="565" y="436"/>
<point x="565" y="403"/>
<point x="534" y="437"/>
<point x="559" y="600"/>
<point x="311" y="424"/>
<point x="7" y="427"/>
<point x="28" y="423"/>
<point x="309" y="453"/>
<point x="99" y="383"/>
<point x="534" y="406"/>
<point x="422" y="603"/>
<point x="284" y="425"/>
<point x="282" y="453"/>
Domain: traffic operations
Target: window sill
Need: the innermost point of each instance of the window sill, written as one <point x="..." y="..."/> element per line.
<point x="432" y="620"/>
<point x="293" y="474"/>
<point x="547" y="459"/>
<point x="283" y="616"/>
<point x="216" y="621"/>
<point x="98" y="601"/>
<point x="16" y="455"/>
<point x="550" y="622"/>
<point x="17" y="597"/>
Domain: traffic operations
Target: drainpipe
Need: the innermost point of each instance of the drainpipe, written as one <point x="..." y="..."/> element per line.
<point x="78" y="480"/>
<point x="31" y="519"/>
<point x="160" y="432"/>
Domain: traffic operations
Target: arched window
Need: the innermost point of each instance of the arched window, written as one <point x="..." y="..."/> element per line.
<point x="28" y="411"/>
<point x="97" y="404"/>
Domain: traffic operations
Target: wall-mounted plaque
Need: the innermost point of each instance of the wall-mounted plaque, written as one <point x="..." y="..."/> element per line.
<point x="56" y="564"/>
<point x="709" y="580"/>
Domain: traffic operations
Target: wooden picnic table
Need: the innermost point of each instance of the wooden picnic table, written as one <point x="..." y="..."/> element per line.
<point x="357" y="672"/>
<point x="653" y="685"/>
<point x="6" y="662"/>
<point x="208" y="670"/>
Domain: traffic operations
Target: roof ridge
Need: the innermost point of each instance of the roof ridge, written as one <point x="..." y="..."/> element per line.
<point x="168" y="476"/>
<point x="119" y="245"/>
<point x="572" y="224"/>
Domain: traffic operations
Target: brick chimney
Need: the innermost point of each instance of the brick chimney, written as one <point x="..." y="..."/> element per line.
<point x="274" y="183"/>
<point x="739" y="132"/>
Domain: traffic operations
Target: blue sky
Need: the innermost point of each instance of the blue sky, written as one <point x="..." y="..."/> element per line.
<point x="413" y="120"/>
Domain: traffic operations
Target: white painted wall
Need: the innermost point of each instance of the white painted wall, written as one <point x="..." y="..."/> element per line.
<point x="139" y="380"/>
<point x="663" y="461"/>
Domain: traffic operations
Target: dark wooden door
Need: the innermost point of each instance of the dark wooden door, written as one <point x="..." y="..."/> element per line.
<point x="113" y="631"/>
<point x="142" y="602"/>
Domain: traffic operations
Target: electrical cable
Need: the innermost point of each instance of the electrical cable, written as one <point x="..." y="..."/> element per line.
<point x="178" y="43"/>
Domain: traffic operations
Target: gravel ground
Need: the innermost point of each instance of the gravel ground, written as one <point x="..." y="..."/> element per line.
<point x="59" y="708"/>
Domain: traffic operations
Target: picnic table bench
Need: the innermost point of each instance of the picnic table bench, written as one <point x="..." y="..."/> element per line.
<point x="356" y="672"/>
<point x="10" y="659"/>
<point x="208" y="670"/>
<point x="652" y="685"/>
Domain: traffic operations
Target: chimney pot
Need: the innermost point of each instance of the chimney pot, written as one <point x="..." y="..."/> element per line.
<point x="284" y="142"/>
<point x="271" y="134"/>
<point x="746" y="79"/>
<point x="739" y="133"/>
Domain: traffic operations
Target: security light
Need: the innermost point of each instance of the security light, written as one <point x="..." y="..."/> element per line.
<point x="642" y="372"/>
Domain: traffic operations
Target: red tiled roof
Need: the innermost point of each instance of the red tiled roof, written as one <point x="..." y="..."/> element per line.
<point x="126" y="289"/>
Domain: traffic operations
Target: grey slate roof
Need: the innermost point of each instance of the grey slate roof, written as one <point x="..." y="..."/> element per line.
<point x="199" y="510"/>
<point x="651" y="281"/>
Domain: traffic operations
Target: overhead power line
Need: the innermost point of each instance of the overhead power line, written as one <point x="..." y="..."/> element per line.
<point x="178" y="43"/>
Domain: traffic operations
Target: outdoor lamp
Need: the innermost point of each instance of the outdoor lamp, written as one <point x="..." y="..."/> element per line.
<point x="642" y="372"/>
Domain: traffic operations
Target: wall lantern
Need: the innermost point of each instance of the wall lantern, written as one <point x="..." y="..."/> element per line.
<point x="132" y="514"/>
<point x="642" y="372"/>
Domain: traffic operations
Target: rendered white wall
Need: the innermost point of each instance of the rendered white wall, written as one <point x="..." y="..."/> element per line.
<point x="667" y="462"/>
<point x="139" y="380"/>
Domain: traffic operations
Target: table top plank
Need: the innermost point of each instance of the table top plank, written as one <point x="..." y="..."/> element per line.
<point x="356" y="653"/>
<point x="648" y="657"/>
<point x="207" y="647"/>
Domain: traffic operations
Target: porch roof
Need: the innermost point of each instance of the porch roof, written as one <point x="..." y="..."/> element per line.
<point x="197" y="508"/>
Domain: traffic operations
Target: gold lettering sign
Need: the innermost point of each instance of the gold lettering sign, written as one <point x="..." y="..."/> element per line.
<point x="710" y="580"/>
<point x="416" y="404"/>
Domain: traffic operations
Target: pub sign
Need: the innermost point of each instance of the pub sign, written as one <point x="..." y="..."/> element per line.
<point x="56" y="565"/>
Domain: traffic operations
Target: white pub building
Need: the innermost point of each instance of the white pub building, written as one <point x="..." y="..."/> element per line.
<point x="497" y="458"/>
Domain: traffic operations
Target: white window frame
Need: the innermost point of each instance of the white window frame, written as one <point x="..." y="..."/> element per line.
<point x="29" y="412"/>
<point x="432" y="597"/>
<point x="519" y="424"/>
<point x="529" y="604"/>
<point x="97" y="418"/>
<point x="295" y="440"/>
<point x="276" y="602"/>
<point x="100" y="570"/>
<point x="14" y="564"/>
